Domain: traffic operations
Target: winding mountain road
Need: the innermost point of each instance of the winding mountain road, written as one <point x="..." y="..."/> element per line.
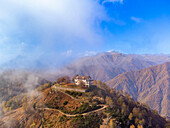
<point x="97" y="110"/>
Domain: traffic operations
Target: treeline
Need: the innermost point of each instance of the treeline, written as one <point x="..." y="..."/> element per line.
<point x="64" y="79"/>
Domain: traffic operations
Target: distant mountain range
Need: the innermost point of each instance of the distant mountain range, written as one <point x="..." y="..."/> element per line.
<point x="105" y="66"/>
<point x="149" y="85"/>
<point x="145" y="77"/>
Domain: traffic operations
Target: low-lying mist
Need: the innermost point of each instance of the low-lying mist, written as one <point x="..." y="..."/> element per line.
<point x="14" y="83"/>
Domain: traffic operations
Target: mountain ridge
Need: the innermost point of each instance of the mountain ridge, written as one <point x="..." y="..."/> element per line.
<point x="105" y="66"/>
<point x="149" y="85"/>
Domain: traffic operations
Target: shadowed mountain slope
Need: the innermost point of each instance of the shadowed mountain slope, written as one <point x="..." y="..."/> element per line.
<point x="149" y="85"/>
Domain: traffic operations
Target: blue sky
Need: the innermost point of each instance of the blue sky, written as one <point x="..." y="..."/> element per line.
<point x="55" y="31"/>
<point x="143" y="26"/>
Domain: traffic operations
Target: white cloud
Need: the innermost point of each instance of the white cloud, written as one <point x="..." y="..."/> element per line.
<point x="88" y="53"/>
<point x="136" y="19"/>
<point x="49" y="25"/>
<point x="67" y="53"/>
<point x="112" y="1"/>
<point x="114" y="51"/>
<point x="71" y="18"/>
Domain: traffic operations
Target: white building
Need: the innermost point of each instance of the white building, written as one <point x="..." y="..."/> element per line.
<point x="83" y="80"/>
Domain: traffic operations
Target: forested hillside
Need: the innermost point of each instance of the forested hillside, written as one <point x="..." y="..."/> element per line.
<point x="58" y="108"/>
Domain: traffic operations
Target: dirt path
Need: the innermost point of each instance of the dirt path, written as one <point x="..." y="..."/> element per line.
<point x="97" y="110"/>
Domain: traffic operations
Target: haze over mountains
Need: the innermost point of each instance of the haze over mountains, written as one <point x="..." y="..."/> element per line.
<point x="131" y="73"/>
<point x="105" y="66"/>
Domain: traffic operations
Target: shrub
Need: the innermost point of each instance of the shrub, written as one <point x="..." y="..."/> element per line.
<point x="62" y="118"/>
<point x="74" y="93"/>
<point x="65" y="79"/>
<point x="65" y="103"/>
